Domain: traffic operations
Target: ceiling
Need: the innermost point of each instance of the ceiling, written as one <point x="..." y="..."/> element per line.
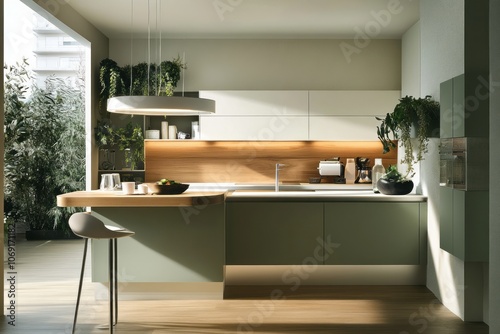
<point x="204" y="19"/>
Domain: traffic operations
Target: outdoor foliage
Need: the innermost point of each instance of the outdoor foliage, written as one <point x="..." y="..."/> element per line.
<point x="44" y="148"/>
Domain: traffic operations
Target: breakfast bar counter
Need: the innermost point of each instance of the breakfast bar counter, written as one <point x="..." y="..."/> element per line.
<point x="99" y="198"/>
<point x="178" y="238"/>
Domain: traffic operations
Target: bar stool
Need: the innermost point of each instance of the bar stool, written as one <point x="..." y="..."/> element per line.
<point x="85" y="225"/>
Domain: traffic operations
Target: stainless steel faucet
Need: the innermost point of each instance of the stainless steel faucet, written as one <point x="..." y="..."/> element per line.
<point x="277" y="178"/>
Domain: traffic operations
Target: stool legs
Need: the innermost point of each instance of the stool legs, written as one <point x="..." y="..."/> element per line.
<point x="80" y="284"/>
<point x="113" y="283"/>
<point x="115" y="242"/>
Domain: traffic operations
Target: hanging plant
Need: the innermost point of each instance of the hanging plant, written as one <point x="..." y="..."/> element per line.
<point x="418" y="113"/>
<point x="112" y="83"/>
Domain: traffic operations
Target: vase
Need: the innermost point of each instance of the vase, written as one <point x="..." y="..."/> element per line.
<point x="387" y="187"/>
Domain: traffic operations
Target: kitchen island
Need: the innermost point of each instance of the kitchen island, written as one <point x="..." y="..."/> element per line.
<point x="264" y="237"/>
<point x="178" y="238"/>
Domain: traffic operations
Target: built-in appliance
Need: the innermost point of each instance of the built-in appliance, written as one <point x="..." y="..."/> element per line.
<point x="363" y="171"/>
<point x="463" y="161"/>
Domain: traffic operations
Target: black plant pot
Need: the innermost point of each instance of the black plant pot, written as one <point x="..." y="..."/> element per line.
<point x="387" y="187"/>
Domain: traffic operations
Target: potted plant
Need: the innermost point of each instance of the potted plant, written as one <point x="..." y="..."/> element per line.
<point x="418" y="114"/>
<point x="394" y="183"/>
<point x="131" y="141"/>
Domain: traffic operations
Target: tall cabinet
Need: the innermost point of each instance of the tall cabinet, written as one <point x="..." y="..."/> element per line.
<point x="464" y="156"/>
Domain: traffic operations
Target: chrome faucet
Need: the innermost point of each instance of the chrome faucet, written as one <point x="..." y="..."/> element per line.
<point x="277" y="178"/>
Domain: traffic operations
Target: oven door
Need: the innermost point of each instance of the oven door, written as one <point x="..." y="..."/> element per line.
<point x="453" y="163"/>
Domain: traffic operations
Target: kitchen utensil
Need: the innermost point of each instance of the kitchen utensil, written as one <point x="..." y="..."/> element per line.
<point x="363" y="171"/>
<point x="116" y="181"/>
<point x="128" y="188"/>
<point x="142" y="188"/>
<point x="107" y="182"/>
<point x="152" y="134"/>
<point x="172" y="132"/>
<point x="350" y="171"/>
<point x="164" y="130"/>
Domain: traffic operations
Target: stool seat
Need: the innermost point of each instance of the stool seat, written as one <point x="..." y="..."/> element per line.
<point x="84" y="225"/>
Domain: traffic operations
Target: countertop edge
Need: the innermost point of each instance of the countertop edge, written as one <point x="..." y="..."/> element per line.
<point x="98" y="198"/>
<point x="232" y="196"/>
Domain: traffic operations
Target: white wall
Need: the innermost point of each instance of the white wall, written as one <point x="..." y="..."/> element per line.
<point x="494" y="269"/>
<point x="410" y="62"/>
<point x="410" y="84"/>
<point x="449" y="49"/>
<point x="442" y="36"/>
<point x="274" y="64"/>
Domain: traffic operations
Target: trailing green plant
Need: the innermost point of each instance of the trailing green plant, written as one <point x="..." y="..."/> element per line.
<point x="144" y="80"/>
<point x="44" y="148"/>
<point x="112" y="83"/>
<point x="410" y="112"/>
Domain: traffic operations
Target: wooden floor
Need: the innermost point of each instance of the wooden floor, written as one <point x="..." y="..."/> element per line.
<point x="47" y="279"/>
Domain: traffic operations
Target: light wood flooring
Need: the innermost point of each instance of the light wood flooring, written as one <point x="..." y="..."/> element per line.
<point x="47" y="274"/>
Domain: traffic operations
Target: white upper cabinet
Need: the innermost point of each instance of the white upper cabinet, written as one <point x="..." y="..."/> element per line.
<point x="352" y="103"/>
<point x="348" y="115"/>
<point x="280" y="127"/>
<point x="258" y="103"/>
<point x="296" y="115"/>
<point x="343" y="128"/>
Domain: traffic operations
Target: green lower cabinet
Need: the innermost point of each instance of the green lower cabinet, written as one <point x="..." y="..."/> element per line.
<point x="376" y="233"/>
<point x="273" y="233"/>
<point x="464" y="223"/>
<point x="446" y="219"/>
<point x="171" y="244"/>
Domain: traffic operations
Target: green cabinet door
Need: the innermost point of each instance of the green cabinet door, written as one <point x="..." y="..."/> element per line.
<point x="446" y="218"/>
<point x="375" y="233"/>
<point x="446" y="109"/>
<point x="459" y="113"/>
<point x="273" y="233"/>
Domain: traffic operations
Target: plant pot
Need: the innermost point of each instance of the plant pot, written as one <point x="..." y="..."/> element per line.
<point x="387" y="187"/>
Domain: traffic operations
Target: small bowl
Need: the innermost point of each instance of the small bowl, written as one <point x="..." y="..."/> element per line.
<point x="168" y="189"/>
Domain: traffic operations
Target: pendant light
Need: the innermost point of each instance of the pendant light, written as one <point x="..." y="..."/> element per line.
<point x="158" y="105"/>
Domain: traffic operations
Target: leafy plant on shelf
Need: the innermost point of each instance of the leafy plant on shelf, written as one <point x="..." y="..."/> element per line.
<point x="422" y="114"/>
<point x="130" y="138"/>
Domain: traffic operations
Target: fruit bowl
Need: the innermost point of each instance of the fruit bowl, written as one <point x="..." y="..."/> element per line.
<point x="167" y="189"/>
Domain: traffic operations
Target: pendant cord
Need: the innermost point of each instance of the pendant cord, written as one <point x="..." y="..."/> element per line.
<point x="131" y="42"/>
<point x="149" y="42"/>
<point x="158" y="14"/>
<point x="183" y="71"/>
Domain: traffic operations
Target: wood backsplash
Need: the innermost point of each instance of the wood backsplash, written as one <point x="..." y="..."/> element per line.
<point x="250" y="161"/>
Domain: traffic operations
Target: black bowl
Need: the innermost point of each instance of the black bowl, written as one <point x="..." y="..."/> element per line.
<point x="167" y="189"/>
<point x="394" y="188"/>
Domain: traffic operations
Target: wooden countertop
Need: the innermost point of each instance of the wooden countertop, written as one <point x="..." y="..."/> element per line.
<point x="99" y="198"/>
